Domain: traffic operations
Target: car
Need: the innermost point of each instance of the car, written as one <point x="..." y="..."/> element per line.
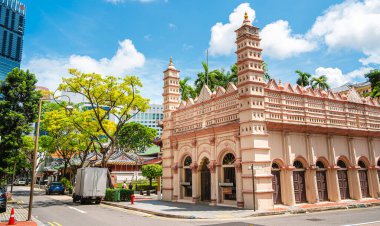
<point x="19" y="182"/>
<point x="3" y="199"/>
<point x="55" y="187"/>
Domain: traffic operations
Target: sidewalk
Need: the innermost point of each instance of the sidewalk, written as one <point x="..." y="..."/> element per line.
<point x="204" y="211"/>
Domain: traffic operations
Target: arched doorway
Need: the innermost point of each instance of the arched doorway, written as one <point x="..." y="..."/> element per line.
<point x="378" y="170"/>
<point x="205" y="180"/>
<point x="322" y="181"/>
<point x="343" y="180"/>
<point x="276" y="184"/>
<point x="229" y="177"/>
<point x="299" y="182"/>
<point x="187" y="177"/>
<point x="363" y="178"/>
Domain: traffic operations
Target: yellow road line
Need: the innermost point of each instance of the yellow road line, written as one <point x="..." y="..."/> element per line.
<point x="51" y="224"/>
<point x="57" y="223"/>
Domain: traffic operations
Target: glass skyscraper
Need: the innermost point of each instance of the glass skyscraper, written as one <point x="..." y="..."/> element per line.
<point x="12" y="23"/>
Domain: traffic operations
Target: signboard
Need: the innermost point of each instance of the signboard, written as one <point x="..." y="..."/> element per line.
<point x="227" y="190"/>
<point x="255" y="167"/>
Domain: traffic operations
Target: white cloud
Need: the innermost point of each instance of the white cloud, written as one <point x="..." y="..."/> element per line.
<point x="352" y="24"/>
<point x="278" y="42"/>
<point x="222" y="40"/>
<point x="335" y="76"/>
<point x="171" y="25"/>
<point x="186" y="46"/>
<point x="115" y="1"/>
<point x="122" y="1"/>
<point x="49" y="70"/>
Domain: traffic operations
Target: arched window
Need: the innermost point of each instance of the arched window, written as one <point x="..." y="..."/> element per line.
<point x="229" y="177"/>
<point x="275" y="166"/>
<point x="320" y="165"/>
<point x="298" y="164"/>
<point x="188" y="176"/>
<point x="229" y="159"/>
<point x="341" y="164"/>
<point x="187" y="161"/>
<point x="361" y="164"/>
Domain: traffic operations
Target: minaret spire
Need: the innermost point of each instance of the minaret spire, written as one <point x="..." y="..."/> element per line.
<point x="246" y="19"/>
<point x="171" y="65"/>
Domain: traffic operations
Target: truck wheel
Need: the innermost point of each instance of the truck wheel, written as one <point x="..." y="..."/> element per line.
<point x="83" y="201"/>
<point x="97" y="201"/>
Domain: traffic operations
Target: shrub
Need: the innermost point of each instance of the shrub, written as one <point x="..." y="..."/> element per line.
<point x="125" y="194"/>
<point x="67" y="184"/>
<point x="112" y="195"/>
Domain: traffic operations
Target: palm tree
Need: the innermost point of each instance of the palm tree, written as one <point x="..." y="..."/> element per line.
<point x="185" y="89"/>
<point x="206" y="77"/>
<point x="266" y="74"/>
<point x="320" y="82"/>
<point x="374" y="78"/>
<point x="303" y="78"/>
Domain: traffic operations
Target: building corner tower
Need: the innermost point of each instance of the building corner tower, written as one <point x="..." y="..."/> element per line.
<point x="171" y="97"/>
<point x="253" y="132"/>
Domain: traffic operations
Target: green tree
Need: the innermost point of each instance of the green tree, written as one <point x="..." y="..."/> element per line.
<point x="222" y="78"/>
<point x="18" y="108"/>
<point x="186" y="90"/>
<point x="206" y="78"/>
<point x="151" y="171"/>
<point x="374" y="78"/>
<point x="320" y="82"/>
<point x="135" y="137"/>
<point x="107" y="95"/>
<point x="303" y="78"/>
<point x="267" y="77"/>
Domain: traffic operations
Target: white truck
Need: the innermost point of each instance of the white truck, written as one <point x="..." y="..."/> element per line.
<point x="90" y="185"/>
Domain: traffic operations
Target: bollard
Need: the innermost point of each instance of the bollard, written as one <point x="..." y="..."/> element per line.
<point x="132" y="199"/>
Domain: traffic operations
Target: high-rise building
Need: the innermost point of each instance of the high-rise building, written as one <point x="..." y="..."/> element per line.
<point x="150" y="117"/>
<point x="12" y="23"/>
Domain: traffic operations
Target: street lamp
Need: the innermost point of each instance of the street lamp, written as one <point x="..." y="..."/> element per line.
<point x="69" y="108"/>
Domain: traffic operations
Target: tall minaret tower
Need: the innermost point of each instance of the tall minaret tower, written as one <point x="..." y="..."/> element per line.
<point x="253" y="133"/>
<point x="171" y="90"/>
<point x="250" y="79"/>
<point x="171" y="97"/>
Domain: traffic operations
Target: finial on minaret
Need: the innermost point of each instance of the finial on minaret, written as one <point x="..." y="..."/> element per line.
<point x="246" y="19"/>
<point x="171" y="65"/>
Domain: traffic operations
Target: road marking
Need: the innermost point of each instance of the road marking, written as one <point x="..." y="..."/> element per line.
<point x="57" y="223"/>
<point x="373" y="222"/>
<point x="80" y="211"/>
<point x="51" y="224"/>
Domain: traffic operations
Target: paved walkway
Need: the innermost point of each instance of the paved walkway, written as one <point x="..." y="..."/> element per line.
<point x="21" y="214"/>
<point x="204" y="211"/>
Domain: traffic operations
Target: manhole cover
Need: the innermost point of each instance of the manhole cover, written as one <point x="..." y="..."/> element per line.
<point x="314" y="219"/>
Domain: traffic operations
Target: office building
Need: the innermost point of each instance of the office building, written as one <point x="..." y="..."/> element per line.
<point x="12" y="23"/>
<point x="151" y="117"/>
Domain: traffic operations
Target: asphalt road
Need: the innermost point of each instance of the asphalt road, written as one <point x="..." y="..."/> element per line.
<point x="58" y="210"/>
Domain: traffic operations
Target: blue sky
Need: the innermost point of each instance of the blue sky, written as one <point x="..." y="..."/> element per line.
<point x="336" y="38"/>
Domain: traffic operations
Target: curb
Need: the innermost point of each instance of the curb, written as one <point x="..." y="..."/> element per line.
<point x="259" y="214"/>
<point x="151" y="212"/>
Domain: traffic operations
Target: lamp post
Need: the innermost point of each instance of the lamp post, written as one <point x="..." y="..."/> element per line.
<point x="69" y="108"/>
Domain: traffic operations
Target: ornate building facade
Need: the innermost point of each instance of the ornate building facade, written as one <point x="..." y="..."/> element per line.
<point x="260" y="143"/>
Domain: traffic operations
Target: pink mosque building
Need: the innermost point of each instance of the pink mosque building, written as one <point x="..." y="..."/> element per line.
<point x="301" y="145"/>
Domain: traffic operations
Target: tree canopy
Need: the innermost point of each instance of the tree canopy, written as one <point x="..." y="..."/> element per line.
<point x="151" y="171"/>
<point x="18" y="108"/>
<point x="135" y="137"/>
<point x="374" y="78"/>
<point x="108" y="96"/>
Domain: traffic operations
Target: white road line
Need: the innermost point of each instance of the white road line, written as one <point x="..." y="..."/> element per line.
<point x="80" y="211"/>
<point x="373" y="222"/>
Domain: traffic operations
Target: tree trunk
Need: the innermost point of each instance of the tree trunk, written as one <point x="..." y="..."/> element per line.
<point x="150" y="183"/>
